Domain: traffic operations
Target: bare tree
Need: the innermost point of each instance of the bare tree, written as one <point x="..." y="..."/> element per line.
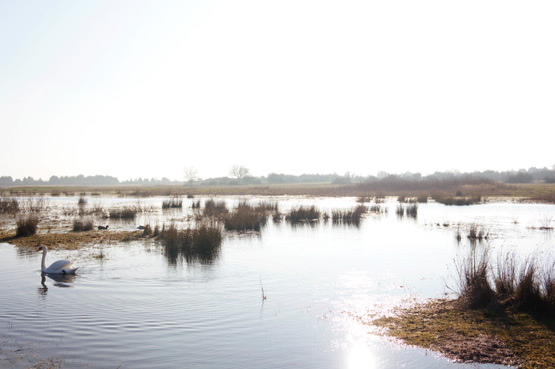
<point x="190" y="174"/>
<point x="239" y="171"/>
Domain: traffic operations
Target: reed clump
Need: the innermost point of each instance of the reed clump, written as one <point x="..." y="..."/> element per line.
<point x="80" y="225"/>
<point x="201" y="243"/>
<point x="457" y="200"/>
<point x="173" y="203"/>
<point x="126" y="212"/>
<point x="214" y="208"/>
<point x="412" y="210"/>
<point x="303" y="214"/>
<point x="248" y="217"/>
<point x="514" y="285"/>
<point x="400" y="210"/>
<point x="27" y="226"/>
<point x="9" y="205"/>
<point x="476" y="233"/>
<point x="353" y="216"/>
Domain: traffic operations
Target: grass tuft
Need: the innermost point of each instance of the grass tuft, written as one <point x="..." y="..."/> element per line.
<point x="27" y="226"/>
<point x="80" y="225"/>
<point x="303" y="214"/>
<point x="200" y="243"/>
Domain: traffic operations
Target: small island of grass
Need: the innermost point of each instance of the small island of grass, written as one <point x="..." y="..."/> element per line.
<point x="503" y="315"/>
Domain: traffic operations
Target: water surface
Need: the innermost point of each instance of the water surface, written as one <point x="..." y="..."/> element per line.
<point x="133" y="309"/>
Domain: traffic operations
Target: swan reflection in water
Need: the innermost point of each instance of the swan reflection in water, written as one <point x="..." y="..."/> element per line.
<point x="61" y="280"/>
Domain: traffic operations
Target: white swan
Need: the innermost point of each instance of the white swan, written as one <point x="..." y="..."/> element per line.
<point x="57" y="267"/>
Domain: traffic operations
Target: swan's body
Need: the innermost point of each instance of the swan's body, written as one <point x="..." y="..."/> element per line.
<point x="57" y="267"/>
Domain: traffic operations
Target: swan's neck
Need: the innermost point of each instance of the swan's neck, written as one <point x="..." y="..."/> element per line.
<point x="42" y="264"/>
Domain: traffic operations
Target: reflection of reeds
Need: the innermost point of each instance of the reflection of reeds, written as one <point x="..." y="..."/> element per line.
<point x="200" y="243"/>
<point x="27" y="226"/>
<point x="303" y="214"/>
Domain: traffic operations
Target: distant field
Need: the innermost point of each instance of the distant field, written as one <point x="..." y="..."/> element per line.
<point x="542" y="192"/>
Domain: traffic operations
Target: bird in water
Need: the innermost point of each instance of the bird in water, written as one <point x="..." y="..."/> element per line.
<point x="57" y="267"/>
<point x="102" y="227"/>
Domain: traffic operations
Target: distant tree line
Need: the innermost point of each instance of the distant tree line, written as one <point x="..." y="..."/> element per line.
<point x="241" y="176"/>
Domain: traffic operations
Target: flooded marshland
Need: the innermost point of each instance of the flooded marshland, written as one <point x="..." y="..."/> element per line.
<point x="292" y="295"/>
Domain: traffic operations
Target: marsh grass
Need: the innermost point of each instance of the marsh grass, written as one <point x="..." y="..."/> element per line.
<point x="476" y="233"/>
<point x="35" y="205"/>
<point x="475" y="288"/>
<point x="412" y="210"/>
<point x="147" y="231"/>
<point x="201" y="243"/>
<point x="364" y="199"/>
<point x="400" y="210"/>
<point x="216" y="209"/>
<point x="303" y="214"/>
<point x="422" y="199"/>
<point x="458" y="201"/>
<point x="125" y="212"/>
<point x="9" y="205"/>
<point x="80" y="225"/>
<point x="82" y="201"/>
<point x="27" y="226"/>
<point x="248" y="217"/>
<point x="173" y="203"/>
<point x="353" y="216"/>
<point x="513" y="284"/>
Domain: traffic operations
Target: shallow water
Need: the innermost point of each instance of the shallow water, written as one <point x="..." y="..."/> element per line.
<point x="133" y="309"/>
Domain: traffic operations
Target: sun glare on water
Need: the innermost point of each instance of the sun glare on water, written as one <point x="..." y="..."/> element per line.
<point x="361" y="356"/>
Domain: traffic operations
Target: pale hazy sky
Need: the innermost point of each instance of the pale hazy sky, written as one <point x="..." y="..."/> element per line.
<point x="146" y="88"/>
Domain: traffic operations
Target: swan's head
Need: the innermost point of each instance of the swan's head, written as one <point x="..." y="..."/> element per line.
<point x="41" y="248"/>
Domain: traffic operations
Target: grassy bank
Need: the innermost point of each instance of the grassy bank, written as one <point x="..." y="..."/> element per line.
<point x="504" y="313"/>
<point x="541" y="192"/>
<point x="69" y="240"/>
<point x="484" y="336"/>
